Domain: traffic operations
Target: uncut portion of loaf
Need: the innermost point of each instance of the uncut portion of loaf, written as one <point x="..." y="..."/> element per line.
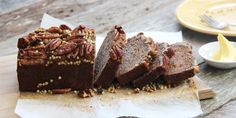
<point x="182" y="64"/>
<point x="139" y="53"/>
<point x="109" y="57"/>
<point x="56" y="58"/>
<point x="158" y="66"/>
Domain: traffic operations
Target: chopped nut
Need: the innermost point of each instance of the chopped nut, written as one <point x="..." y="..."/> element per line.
<point x="61" y="91"/>
<point x="196" y="69"/>
<point x="136" y="90"/>
<point x="99" y="90"/>
<point x="59" y="77"/>
<point x="86" y="93"/>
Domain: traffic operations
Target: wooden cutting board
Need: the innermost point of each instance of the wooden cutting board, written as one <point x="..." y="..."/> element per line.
<point x="9" y="86"/>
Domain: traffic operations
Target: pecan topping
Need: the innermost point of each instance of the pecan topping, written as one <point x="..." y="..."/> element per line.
<point x="64" y="27"/>
<point x="79" y="31"/>
<point x="54" y="30"/>
<point x="119" y="52"/>
<point x="53" y="44"/>
<point x="39" y="30"/>
<point x="61" y="91"/>
<point x="31" y="61"/>
<point x="89" y="48"/>
<point x="66" y="48"/>
<point x="35" y="54"/>
<point x="81" y="50"/>
<point x="23" y="42"/>
<point x="76" y="39"/>
<point x="119" y="29"/>
<point x="49" y="36"/>
<point x="35" y="42"/>
<point x="113" y="54"/>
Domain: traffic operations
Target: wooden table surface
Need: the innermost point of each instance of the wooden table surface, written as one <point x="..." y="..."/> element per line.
<point x="17" y="17"/>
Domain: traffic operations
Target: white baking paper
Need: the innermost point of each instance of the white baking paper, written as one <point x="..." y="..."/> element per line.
<point x="179" y="102"/>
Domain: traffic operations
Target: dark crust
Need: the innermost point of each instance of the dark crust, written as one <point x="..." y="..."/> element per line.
<point x="46" y="54"/>
<point x="107" y="75"/>
<point x="179" y="77"/>
<point x="110" y="56"/>
<point x="134" y="73"/>
<point x="181" y="64"/>
<point x="158" y="66"/>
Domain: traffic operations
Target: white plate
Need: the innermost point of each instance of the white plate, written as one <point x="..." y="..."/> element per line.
<point x="206" y="52"/>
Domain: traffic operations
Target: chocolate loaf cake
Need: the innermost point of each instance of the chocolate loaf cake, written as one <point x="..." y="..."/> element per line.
<point x="109" y="57"/>
<point x="182" y="64"/>
<point x="56" y="58"/>
<point x="139" y="53"/>
<point x="158" y="66"/>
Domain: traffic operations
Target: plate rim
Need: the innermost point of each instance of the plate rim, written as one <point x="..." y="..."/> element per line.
<point x="199" y="29"/>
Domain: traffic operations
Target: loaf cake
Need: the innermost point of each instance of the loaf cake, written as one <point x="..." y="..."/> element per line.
<point x="139" y="53"/>
<point x="181" y="65"/>
<point x="109" y="57"/>
<point x="56" y="58"/>
<point x="158" y="66"/>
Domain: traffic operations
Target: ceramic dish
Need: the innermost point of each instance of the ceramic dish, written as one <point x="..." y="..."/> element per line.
<point x="206" y="52"/>
<point x="222" y="10"/>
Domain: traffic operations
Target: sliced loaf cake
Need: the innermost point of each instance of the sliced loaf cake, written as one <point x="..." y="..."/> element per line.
<point x="139" y="53"/>
<point x="109" y="57"/>
<point x="158" y="67"/>
<point x="182" y="64"/>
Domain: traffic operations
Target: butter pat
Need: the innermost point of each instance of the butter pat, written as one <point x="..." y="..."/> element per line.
<point x="226" y="51"/>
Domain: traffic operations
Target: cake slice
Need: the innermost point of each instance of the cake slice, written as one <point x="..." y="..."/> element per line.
<point x="158" y="67"/>
<point x="56" y="58"/>
<point x="139" y="53"/>
<point x="182" y="64"/>
<point x="109" y="57"/>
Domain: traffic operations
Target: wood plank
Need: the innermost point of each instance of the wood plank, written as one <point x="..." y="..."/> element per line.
<point x="203" y="91"/>
<point x="222" y="82"/>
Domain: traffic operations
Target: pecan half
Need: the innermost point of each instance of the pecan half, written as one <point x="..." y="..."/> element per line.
<point x="32" y="54"/>
<point x="76" y="39"/>
<point x="53" y="44"/>
<point x="119" y="29"/>
<point x="54" y="30"/>
<point x="65" y="48"/>
<point x="61" y="91"/>
<point x="64" y="27"/>
<point x="79" y="31"/>
<point x="81" y="50"/>
<point x="89" y="48"/>
<point x="23" y="42"/>
<point x="31" y="61"/>
<point x="49" y="36"/>
<point x="113" y="54"/>
<point x="119" y="52"/>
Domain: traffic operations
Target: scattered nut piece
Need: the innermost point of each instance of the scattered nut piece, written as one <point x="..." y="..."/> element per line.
<point x="61" y="91"/>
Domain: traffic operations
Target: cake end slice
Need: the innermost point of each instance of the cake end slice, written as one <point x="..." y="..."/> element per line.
<point x="109" y="57"/>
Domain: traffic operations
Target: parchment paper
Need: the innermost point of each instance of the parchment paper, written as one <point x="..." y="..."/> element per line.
<point x="179" y="102"/>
